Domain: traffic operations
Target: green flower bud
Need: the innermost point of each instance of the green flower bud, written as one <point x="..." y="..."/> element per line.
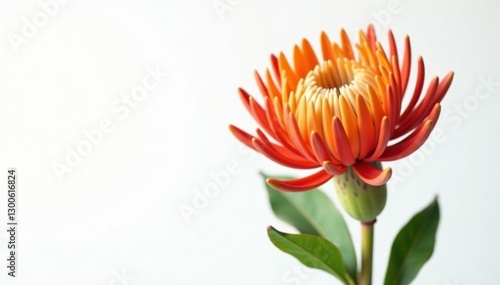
<point x="363" y="202"/>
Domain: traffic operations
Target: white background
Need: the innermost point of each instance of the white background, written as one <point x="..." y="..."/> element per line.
<point x="114" y="217"/>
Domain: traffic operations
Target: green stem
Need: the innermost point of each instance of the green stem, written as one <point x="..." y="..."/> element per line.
<point x="366" y="252"/>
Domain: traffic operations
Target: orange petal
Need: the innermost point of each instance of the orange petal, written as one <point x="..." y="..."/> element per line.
<point x="422" y="110"/>
<point x="383" y="139"/>
<point x="342" y="143"/>
<point x="349" y="122"/>
<point x="346" y="45"/>
<point x="301" y="184"/>
<point x="276" y="69"/>
<point x="333" y="168"/>
<point x="366" y="128"/>
<point x="405" y="69"/>
<point x="282" y="150"/>
<point x="296" y="138"/>
<point x="278" y="157"/>
<point x="408" y="146"/>
<point x="242" y="136"/>
<point x="299" y="63"/>
<point x="444" y="85"/>
<point x="260" y="83"/>
<point x="309" y="54"/>
<point x="372" y="175"/>
<point x="326" y="47"/>
<point x="320" y="150"/>
<point x="289" y="73"/>
<point x="416" y="93"/>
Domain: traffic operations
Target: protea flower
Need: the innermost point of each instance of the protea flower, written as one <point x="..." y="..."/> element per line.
<point x="343" y="112"/>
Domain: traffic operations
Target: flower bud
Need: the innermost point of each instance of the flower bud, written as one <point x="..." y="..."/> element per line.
<point x="360" y="200"/>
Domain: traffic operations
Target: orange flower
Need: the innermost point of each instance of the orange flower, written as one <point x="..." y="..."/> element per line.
<point x="343" y="111"/>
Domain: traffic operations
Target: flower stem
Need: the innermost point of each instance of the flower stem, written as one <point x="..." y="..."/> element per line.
<point x="366" y="252"/>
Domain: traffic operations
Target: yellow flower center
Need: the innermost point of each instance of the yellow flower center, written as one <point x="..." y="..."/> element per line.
<point x="331" y="89"/>
<point x="328" y="80"/>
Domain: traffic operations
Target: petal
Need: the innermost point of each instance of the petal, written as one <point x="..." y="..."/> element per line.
<point x="296" y="137"/>
<point x="260" y="116"/>
<point x="260" y="83"/>
<point x="276" y="69"/>
<point x="444" y="85"/>
<point x="350" y="124"/>
<point x="301" y="184"/>
<point x="320" y="150"/>
<point x="422" y="111"/>
<point x="309" y="54"/>
<point x="346" y="45"/>
<point x="405" y="69"/>
<point x="366" y="128"/>
<point x="333" y="168"/>
<point x="289" y="73"/>
<point x="242" y="136"/>
<point x="342" y="143"/>
<point x="278" y="130"/>
<point x="299" y="63"/>
<point x="372" y="175"/>
<point x="326" y="47"/>
<point x="283" y="150"/>
<point x="414" y="141"/>
<point x="254" y="109"/>
<point x="279" y="158"/>
<point x="416" y="92"/>
<point x="371" y="37"/>
<point x="383" y="139"/>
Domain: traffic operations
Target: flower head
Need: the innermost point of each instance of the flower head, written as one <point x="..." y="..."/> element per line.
<point x="341" y="111"/>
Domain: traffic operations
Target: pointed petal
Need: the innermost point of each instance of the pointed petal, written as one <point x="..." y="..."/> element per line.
<point x="366" y="128"/>
<point x="242" y="136"/>
<point x="346" y="45"/>
<point x="279" y="158"/>
<point x="411" y="143"/>
<point x="309" y="54"/>
<point x="372" y="175"/>
<point x="260" y="83"/>
<point x="290" y="74"/>
<point x="332" y="168"/>
<point x="301" y="184"/>
<point x="283" y="150"/>
<point x="405" y="69"/>
<point x="299" y="62"/>
<point x="444" y="85"/>
<point x="276" y="69"/>
<point x="422" y="111"/>
<point x="419" y="85"/>
<point x="296" y="138"/>
<point x="326" y="47"/>
<point x="320" y="150"/>
<point x="371" y="37"/>
<point x="383" y="139"/>
<point x="342" y="143"/>
<point x="281" y="134"/>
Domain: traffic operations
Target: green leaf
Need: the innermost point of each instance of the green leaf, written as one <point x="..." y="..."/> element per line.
<point x="413" y="246"/>
<point x="312" y="251"/>
<point x="312" y="212"/>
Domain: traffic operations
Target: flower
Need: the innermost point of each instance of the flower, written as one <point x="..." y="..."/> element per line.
<point x="342" y="112"/>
